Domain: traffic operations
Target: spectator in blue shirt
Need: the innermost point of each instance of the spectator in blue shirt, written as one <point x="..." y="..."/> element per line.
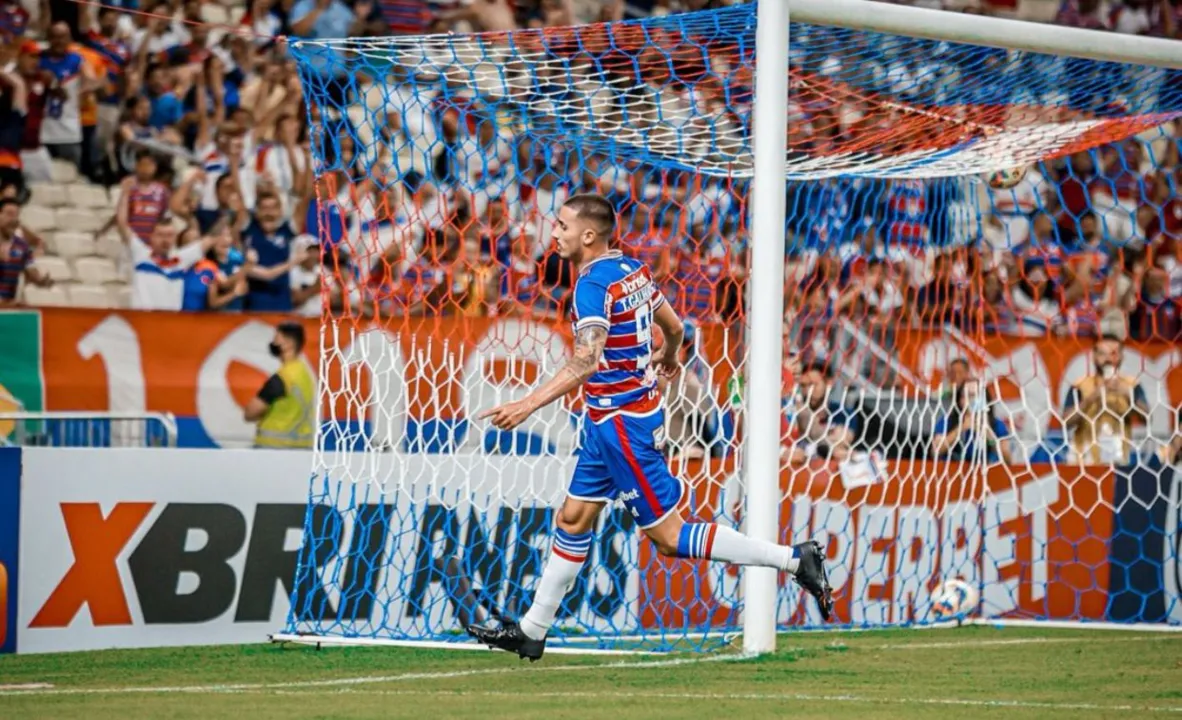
<point x="958" y="433"/>
<point x="330" y="19"/>
<point x="268" y="239"/>
<point x="167" y="108"/>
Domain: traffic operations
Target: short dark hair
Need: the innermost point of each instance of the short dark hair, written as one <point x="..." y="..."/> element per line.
<point x="596" y="209"/>
<point x="819" y="366"/>
<point x="293" y="331"/>
<point x="1109" y="337"/>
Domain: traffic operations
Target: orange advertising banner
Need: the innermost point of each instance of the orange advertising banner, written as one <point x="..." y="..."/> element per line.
<point x="204" y="367"/>
<point x="1034" y="538"/>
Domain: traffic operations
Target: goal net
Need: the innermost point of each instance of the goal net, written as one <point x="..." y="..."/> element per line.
<point x="933" y="326"/>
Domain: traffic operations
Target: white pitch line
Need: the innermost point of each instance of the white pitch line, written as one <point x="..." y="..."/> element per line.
<point x="445" y="675"/>
<point x="27" y="686"/>
<point x="777" y="697"/>
<point x="1019" y="641"/>
<point x="368" y="680"/>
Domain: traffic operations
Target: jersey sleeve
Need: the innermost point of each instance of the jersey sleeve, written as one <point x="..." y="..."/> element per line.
<point x="591" y="303"/>
<point x="1072" y="400"/>
<point x="1139" y="398"/>
<point x="139" y="250"/>
<point x="272" y="390"/>
<point x="1000" y="430"/>
<point x="189" y="255"/>
<point x="658" y="299"/>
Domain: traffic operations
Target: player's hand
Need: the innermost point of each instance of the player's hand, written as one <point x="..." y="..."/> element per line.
<point x="509" y="415"/>
<point x="666" y="363"/>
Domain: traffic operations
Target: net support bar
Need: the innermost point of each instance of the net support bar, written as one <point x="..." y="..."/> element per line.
<point x="990" y="31"/>
<point x="765" y="345"/>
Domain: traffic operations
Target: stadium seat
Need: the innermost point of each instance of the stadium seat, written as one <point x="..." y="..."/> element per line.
<point x="48" y="194"/>
<point x="92" y="296"/>
<point x="236" y="14"/>
<point x="56" y="267"/>
<point x="71" y="245"/>
<point x="109" y="245"/>
<point x="80" y="220"/>
<point x="63" y="171"/>
<point x="214" y="14"/>
<point x="120" y="295"/>
<point x="38" y="218"/>
<point x="1038" y="10"/>
<point x="84" y="195"/>
<point x="46" y="297"/>
<point x="96" y="270"/>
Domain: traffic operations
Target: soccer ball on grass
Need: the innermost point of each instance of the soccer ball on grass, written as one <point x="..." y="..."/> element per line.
<point x="1005" y="179"/>
<point x="953" y="599"/>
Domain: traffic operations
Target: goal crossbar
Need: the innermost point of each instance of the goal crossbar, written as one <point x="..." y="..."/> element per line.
<point x="987" y="31"/>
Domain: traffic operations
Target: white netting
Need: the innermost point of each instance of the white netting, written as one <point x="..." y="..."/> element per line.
<point x="441" y="162"/>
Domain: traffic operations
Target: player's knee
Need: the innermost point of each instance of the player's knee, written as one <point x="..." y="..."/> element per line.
<point x="666" y="548"/>
<point x="574" y="520"/>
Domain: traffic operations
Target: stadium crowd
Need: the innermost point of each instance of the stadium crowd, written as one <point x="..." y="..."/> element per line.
<point x="193" y="116"/>
<point x="199" y="130"/>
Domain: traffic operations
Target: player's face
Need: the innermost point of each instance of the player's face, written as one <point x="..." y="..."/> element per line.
<point x="957" y="373"/>
<point x="568" y="231"/>
<point x="59" y="38"/>
<point x="1107" y="353"/>
<point x="223" y="244"/>
<point x="269" y="211"/>
<point x="164" y="238"/>
<point x="10" y="218"/>
<point x="812" y="388"/>
<point x="145" y="168"/>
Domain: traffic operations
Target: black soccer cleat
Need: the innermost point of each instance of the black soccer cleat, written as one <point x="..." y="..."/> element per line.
<point x="509" y="637"/>
<point x="811" y="575"/>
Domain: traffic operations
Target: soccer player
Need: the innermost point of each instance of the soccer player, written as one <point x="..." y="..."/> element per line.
<point x="616" y="304"/>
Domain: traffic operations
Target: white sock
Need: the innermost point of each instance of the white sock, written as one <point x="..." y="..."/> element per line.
<point x="567" y="554"/>
<point x="717" y="542"/>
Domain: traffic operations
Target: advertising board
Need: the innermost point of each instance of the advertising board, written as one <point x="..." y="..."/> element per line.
<point x="144" y="548"/>
<point x="434" y="373"/>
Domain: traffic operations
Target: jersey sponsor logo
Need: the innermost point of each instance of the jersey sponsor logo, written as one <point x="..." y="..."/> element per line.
<point x="634" y="282"/>
<point x="642" y="295"/>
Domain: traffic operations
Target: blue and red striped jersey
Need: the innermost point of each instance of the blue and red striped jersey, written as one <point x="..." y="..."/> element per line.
<point x="618" y="293"/>
<point x="907" y="208"/>
<point x="146" y="204"/>
<point x="12" y="265"/>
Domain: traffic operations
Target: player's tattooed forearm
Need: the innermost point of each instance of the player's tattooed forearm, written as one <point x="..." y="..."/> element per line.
<point x="589" y="344"/>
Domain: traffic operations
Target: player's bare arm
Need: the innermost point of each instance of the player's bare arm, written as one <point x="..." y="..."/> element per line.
<point x="666" y="360"/>
<point x="589" y="344"/>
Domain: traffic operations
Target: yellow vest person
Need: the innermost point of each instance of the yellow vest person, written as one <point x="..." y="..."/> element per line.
<point x="285" y="408"/>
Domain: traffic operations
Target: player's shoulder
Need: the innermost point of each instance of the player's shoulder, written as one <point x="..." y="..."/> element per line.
<point x="609" y="268"/>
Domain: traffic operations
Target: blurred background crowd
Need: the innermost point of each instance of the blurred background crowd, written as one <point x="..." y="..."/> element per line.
<point x="157" y="154"/>
<point x="135" y="130"/>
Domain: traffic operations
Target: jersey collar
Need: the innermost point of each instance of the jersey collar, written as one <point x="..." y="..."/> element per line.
<point x="609" y="255"/>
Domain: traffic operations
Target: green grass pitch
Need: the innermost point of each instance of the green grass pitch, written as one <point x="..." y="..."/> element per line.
<point x="965" y="672"/>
